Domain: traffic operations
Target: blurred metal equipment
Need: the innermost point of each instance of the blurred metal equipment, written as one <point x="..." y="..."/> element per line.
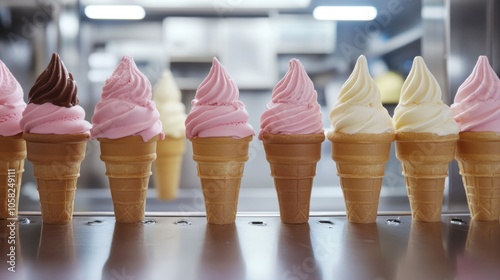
<point x="470" y="29"/>
<point x="474" y="31"/>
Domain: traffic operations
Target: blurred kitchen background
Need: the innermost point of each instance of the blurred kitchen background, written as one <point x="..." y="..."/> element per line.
<point x="254" y="40"/>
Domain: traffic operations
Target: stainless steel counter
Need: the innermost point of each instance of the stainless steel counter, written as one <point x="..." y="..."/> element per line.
<point x="256" y="247"/>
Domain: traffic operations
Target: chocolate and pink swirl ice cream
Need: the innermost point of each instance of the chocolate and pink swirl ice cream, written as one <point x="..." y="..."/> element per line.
<point x="52" y="103"/>
<point x="477" y="103"/>
<point x="126" y="108"/>
<point x="12" y="104"/>
<point x="294" y="108"/>
<point x="216" y="110"/>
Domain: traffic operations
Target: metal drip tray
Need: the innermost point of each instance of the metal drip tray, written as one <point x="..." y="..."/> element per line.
<point x="255" y="247"/>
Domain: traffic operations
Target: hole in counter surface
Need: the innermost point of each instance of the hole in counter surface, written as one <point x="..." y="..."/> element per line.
<point x="23" y="220"/>
<point x="149" y="222"/>
<point x="394" y="222"/>
<point x="257" y="223"/>
<point x="182" y="223"/>
<point x="94" y="222"/>
<point x="458" y="221"/>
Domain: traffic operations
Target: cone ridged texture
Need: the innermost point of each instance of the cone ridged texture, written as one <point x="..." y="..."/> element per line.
<point x="167" y="167"/>
<point x="56" y="164"/>
<point x="361" y="160"/>
<point x="293" y="160"/>
<point x="220" y="164"/>
<point x="128" y="167"/>
<point x="425" y="159"/>
<point x="12" y="155"/>
<point x="478" y="156"/>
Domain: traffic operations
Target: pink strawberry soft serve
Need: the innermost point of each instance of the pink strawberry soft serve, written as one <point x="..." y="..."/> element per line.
<point x="294" y="108"/>
<point x="126" y="108"/>
<point x="216" y="110"/>
<point x="12" y="104"/>
<point x="477" y="103"/>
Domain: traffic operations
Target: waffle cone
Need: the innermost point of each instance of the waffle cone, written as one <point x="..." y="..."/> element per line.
<point x="293" y="159"/>
<point x="128" y="167"/>
<point x="56" y="164"/>
<point x="478" y="156"/>
<point x="425" y="158"/>
<point x="12" y="155"/>
<point x="220" y="164"/>
<point x="361" y="160"/>
<point x="167" y="167"/>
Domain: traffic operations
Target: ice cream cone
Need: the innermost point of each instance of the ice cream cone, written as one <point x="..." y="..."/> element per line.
<point x="12" y="155"/>
<point x="56" y="164"/>
<point x="167" y="167"/>
<point x="221" y="161"/>
<point x="293" y="159"/>
<point x="425" y="158"/>
<point x="478" y="156"/>
<point x="128" y="167"/>
<point x="361" y="160"/>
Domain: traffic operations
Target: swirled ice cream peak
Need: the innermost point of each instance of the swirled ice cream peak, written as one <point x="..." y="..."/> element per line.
<point x="294" y="108"/>
<point x="53" y="104"/>
<point x="167" y="96"/>
<point x="420" y="107"/>
<point x="359" y="108"/>
<point x="477" y="102"/>
<point x="12" y="104"/>
<point x="126" y="108"/>
<point x="216" y="110"/>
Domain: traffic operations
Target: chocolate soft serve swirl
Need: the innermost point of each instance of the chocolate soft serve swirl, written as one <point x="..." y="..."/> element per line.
<point x="54" y="85"/>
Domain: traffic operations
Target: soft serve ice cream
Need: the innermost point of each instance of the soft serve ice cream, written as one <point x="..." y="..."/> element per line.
<point x="12" y="145"/>
<point x="420" y="107"/>
<point x="359" y="109"/>
<point x="294" y="108"/>
<point x="216" y="110"/>
<point x="172" y="111"/>
<point x="56" y="136"/>
<point x="126" y="108"/>
<point x="361" y="138"/>
<point x="426" y="140"/>
<point x="167" y="167"/>
<point x="53" y="106"/>
<point x="218" y="129"/>
<point x="12" y="104"/>
<point x="477" y="103"/>
<point x="292" y="132"/>
<point x="126" y="124"/>
<point x="477" y="111"/>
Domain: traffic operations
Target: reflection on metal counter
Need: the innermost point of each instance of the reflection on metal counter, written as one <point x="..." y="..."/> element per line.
<point x="255" y="247"/>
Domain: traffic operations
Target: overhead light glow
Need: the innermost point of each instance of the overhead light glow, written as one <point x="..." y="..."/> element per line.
<point x="128" y="12"/>
<point x="345" y="13"/>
